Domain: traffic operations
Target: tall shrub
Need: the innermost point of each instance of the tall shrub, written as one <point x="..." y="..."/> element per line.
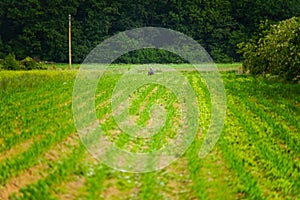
<point x="276" y="51"/>
<point x="10" y="62"/>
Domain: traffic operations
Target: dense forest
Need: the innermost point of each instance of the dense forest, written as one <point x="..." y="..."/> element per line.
<point x="39" y="29"/>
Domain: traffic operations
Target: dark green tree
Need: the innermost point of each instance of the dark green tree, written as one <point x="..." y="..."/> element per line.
<point x="40" y="28"/>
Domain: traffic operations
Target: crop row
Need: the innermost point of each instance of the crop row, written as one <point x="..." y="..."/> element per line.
<point x="255" y="158"/>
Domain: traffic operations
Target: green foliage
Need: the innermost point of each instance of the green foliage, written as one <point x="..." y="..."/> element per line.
<point x="218" y="25"/>
<point x="10" y="63"/>
<point x="144" y="56"/>
<point x="276" y="51"/>
<point x="219" y="56"/>
<point x="30" y="64"/>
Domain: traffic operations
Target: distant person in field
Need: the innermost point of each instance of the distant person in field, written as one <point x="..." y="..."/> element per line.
<point x="151" y="71"/>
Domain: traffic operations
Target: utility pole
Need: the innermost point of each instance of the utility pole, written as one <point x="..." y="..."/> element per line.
<point x="70" y="43"/>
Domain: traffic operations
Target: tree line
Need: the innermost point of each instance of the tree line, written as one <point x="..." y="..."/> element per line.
<point x="39" y="29"/>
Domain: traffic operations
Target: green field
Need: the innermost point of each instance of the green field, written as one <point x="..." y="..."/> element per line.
<point x="41" y="156"/>
<point x="232" y="66"/>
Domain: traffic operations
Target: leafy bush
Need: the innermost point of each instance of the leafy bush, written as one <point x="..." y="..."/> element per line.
<point x="10" y="63"/>
<point x="276" y="51"/>
<point x="30" y="64"/>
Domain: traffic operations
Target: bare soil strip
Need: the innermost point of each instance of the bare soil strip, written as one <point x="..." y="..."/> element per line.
<point x="178" y="185"/>
<point x="40" y="170"/>
<point x="69" y="190"/>
<point x="18" y="149"/>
